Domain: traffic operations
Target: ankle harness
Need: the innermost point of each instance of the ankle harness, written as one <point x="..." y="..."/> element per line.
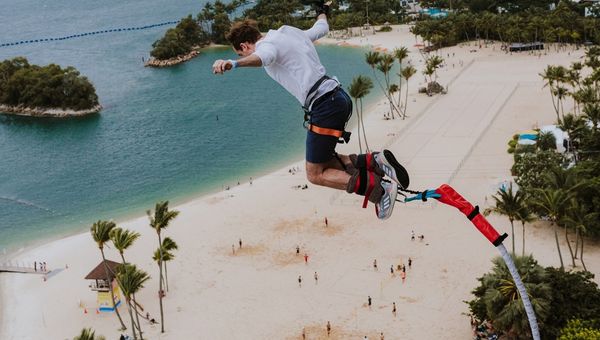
<point x="365" y="177"/>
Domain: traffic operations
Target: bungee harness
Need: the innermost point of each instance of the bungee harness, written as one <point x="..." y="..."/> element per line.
<point x="342" y="135"/>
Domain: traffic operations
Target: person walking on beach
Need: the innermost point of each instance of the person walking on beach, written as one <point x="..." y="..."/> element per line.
<point x="375" y="264"/>
<point x="288" y="55"/>
<point x="369" y="301"/>
<point x="240" y="243"/>
<point x="409" y="262"/>
<point x="316" y="278"/>
<point x="394" y="309"/>
<point x="328" y="328"/>
<point x="305" y="258"/>
<point x="392" y="270"/>
<point x="300" y="281"/>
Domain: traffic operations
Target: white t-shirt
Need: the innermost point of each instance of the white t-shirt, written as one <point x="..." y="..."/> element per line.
<point x="290" y="58"/>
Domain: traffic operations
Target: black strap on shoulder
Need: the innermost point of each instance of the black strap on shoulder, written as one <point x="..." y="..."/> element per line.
<point x="313" y="91"/>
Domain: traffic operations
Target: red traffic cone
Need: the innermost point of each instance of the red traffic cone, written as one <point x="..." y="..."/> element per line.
<point x="85" y="311"/>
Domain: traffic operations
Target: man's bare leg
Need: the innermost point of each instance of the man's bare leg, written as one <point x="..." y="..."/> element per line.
<point x="330" y="174"/>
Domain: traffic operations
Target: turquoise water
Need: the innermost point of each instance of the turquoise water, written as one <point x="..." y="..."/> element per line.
<point x="158" y="137"/>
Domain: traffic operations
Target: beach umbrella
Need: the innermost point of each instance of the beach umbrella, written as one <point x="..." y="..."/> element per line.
<point x="447" y="195"/>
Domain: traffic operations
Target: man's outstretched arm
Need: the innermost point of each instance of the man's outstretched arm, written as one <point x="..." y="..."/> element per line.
<point x="320" y="28"/>
<point x="220" y="66"/>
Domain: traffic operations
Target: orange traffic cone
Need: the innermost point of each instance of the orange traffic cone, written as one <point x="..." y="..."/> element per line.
<point x="97" y="311"/>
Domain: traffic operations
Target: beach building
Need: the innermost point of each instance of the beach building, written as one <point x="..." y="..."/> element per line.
<point x="101" y="283"/>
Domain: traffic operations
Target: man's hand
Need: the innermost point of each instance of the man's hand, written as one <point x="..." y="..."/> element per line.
<point x="220" y="66"/>
<point x="323" y="8"/>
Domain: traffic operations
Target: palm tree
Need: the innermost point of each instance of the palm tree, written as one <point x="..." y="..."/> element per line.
<point x="428" y="72"/>
<point x="546" y="141"/>
<point x="524" y="215"/>
<point x="360" y="87"/>
<point x="573" y="125"/>
<point x="166" y="255"/>
<point x="500" y="297"/>
<point x="507" y="204"/>
<point x="131" y="280"/>
<point x="579" y="218"/>
<point x="88" y="334"/>
<point x="158" y="221"/>
<point x="101" y="233"/>
<point x="435" y="62"/>
<point x="123" y="239"/>
<point x="400" y="54"/>
<point x="560" y="92"/>
<point x="551" y="203"/>
<point x="566" y="180"/>
<point x="386" y="62"/>
<point x="551" y="76"/>
<point x="407" y="73"/>
<point x="373" y="58"/>
<point x="168" y="245"/>
<point x="591" y="113"/>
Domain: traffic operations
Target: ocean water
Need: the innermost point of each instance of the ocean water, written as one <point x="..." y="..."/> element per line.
<point x="164" y="134"/>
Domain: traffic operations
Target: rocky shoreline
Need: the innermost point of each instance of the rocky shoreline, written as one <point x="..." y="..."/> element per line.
<point x="47" y="112"/>
<point x="152" y="62"/>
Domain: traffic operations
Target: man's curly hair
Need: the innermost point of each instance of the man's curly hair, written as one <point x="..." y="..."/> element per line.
<point x="245" y="31"/>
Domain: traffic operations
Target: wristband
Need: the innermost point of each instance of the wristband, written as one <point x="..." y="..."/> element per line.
<point x="234" y="63"/>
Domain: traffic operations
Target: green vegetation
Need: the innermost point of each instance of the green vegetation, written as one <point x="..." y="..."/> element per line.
<point x="47" y="87"/>
<point x="497" y="299"/>
<point x="214" y="20"/>
<point x="88" y="334"/>
<point x="563" y="190"/>
<point x="579" y="330"/>
<point x="129" y="278"/>
<point x="179" y="40"/>
<point x="557" y="297"/>
<point x="159" y="220"/>
<point x="272" y="14"/>
<point x="209" y="26"/>
<point x="521" y="21"/>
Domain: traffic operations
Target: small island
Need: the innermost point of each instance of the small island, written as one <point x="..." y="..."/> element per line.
<point x="45" y="91"/>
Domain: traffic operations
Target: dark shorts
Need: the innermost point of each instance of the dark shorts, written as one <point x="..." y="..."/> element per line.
<point x="333" y="112"/>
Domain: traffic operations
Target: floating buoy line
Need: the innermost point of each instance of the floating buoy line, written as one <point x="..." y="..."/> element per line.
<point x="80" y="35"/>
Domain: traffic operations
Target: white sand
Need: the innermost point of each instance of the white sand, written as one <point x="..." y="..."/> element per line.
<point x="459" y="137"/>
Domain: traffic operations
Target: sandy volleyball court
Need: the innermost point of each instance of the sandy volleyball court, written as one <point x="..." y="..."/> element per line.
<point x="217" y="292"/>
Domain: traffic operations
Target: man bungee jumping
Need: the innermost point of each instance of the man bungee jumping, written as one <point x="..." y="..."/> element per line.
<point x="290" y="58"/>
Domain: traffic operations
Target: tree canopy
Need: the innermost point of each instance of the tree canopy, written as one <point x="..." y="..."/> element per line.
<point x="557" y="297"/>
<point x="521" y="21"/>
<point x="51" y="87"/>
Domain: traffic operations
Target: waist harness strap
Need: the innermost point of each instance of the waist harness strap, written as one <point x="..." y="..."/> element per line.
<point x="343" y="136"/>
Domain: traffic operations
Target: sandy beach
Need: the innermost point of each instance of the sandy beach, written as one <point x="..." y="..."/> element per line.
<point x="459" y="138"/>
